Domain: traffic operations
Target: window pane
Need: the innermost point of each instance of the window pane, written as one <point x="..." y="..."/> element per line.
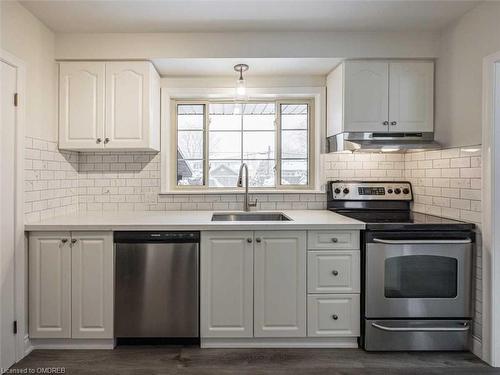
<point x="294" y="116"/>
<point x="258" y="145"/>
<point x="225" y="145"/>
<point x="294" y="144"/>
<point x="261" y="173"/>
<point x="225" y="122"/>
<point x="294" y="172"/>
<point x="258" y="122"/>
<point x="420" y="276"/>
<point x="223" y="173"/>
<point x="189" y="172"/>
<point x="190" y="144"/>
<point x="190" y="116"/>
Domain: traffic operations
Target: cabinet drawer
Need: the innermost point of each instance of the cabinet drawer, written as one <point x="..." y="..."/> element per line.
<point x="333" y="271"/>
<point x="326" y="239"/>
<point x="333" y="315"/>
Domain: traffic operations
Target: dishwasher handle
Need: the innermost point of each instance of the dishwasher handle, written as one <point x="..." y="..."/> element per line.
<point x="156" y="237"/>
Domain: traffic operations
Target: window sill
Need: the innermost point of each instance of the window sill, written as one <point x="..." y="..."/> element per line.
<point x="240" y="191"/>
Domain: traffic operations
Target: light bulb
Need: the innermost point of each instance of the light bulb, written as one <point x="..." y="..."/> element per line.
<point x="241" y="87"/>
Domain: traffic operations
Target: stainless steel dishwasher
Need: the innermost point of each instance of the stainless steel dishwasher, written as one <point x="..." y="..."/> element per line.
<point x="157" y="285"/>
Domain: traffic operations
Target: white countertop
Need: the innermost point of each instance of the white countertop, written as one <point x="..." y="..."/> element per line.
<point x="189" y="220"/>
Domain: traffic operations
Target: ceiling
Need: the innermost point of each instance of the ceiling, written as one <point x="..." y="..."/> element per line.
<point x="246" y="15"/>
<point x="258" y="66"/>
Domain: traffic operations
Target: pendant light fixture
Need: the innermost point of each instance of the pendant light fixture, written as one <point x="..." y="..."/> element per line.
<point x="241" y="85"/>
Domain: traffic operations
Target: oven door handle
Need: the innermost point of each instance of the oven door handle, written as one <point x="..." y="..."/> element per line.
<point x="464" y="327"/>
<point x="419" y="242"/>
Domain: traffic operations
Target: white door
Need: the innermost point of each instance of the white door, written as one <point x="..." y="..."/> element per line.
<point x="127" y="104"/>
<point x="92" y="285"/>
<point x="81" y="105"/>
<point x="280" y="284"/>
<point x="226" y="284"/>
<point x="366" y="96"/>
<point x="7" y="216"/>
<point x="50" y="285"/>
<point x="411" y="96"/>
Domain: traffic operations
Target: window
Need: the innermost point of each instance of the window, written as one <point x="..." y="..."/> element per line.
<point x="271" y="137"/>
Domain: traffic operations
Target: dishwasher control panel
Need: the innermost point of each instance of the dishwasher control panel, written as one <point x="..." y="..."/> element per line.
<point x="156" y="236"/>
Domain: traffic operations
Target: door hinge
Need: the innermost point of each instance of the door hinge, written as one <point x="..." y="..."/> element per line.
<point x="16" y="99"/>
<point x="14" y="327"/>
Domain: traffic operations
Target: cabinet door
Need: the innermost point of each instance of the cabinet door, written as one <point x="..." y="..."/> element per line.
<point x="81" y="105"/>
<point x="280" y="284"/>
<point x="127" y="104"/>
<point x="92" y="285"/>
<point x="366" y="96"/>
<point x="49" y="285"/>
<point x="226" y="284"/>
<point x="411" y="96"/>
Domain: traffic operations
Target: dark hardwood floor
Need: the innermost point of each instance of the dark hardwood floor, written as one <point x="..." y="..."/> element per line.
<point x="133" y="360"/>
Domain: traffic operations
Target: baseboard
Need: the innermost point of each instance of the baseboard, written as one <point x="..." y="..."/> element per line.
<point x="306" y="342"/>
<point x="28" y="348"/>
<point x="73" y="343"/>
<point x="477" y="347"/>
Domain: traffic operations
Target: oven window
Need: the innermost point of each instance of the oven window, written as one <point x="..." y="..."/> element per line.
<point x="421" y="276"/>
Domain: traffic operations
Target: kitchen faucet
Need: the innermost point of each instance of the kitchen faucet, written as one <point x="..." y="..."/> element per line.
<point x="246" y="203"/>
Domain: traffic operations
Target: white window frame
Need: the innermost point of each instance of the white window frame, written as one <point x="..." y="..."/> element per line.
<point x="315" y="96"/>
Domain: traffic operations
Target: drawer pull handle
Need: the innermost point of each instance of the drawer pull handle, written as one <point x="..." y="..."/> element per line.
<point x="335" y="317"/>
<point x="335" y="273"/>
<point x="335" y="240"/>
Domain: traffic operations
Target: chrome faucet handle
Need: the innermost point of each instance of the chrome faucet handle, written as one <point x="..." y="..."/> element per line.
<point x="253" y="204"/>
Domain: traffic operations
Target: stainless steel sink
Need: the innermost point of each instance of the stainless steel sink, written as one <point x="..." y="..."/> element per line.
<point x="250" y="216"/>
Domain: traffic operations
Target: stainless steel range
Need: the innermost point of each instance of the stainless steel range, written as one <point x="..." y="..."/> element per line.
<point x="416" y="269"/>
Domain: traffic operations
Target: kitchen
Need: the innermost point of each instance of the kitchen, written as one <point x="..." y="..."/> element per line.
<point x="201" y="189"/>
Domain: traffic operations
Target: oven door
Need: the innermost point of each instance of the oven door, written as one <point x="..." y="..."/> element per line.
<point x="418" y="275"/>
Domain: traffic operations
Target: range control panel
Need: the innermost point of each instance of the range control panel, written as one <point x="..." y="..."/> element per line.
<point x="362" y="191"/>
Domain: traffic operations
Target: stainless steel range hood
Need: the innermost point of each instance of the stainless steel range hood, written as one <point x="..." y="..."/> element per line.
<point x="382" y="142"/>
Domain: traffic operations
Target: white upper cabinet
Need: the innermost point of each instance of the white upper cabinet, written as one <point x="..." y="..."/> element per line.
<point x="411" y="99"/>
<point x="109" y="106"/>
<point x="366" y="96"/>
<point x="81" y="105"/>
<point x="381" y="96"/>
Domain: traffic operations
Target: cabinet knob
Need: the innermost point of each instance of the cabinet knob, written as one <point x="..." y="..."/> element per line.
<point x="106" y="140"/>
<point x="258" y="240"/>
<point x="335" y="317"/>
<point x="99" y="140"/>
<point x="393" y="123"/>
<point x="74" y="240"/>
<point x="385" y="123"/>
<point x="64" y="240"/>
<point x="249" y="240"/>
<point x="335" y="273"/>
<point x="335" y="240"/>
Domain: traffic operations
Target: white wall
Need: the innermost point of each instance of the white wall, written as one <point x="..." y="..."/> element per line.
<point x="28" y="39"/>
<point x="241" y="45"/>
<point x="462" y="48"/>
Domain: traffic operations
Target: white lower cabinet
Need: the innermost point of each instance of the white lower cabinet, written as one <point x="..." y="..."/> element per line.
<point x="333" y="315"/>
<point x="92" y="285"/>
<point x="280" y="284"/>
<point x="226" y="284"/>
<point x="71" y="285"/>
<point x="333" y="271"/>
<point x="253" y="284"/>
<point x="50" y="285"/>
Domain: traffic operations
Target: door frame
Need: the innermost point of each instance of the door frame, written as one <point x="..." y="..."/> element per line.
<point x="491" y="209"/>
<point x="23" y="346"/>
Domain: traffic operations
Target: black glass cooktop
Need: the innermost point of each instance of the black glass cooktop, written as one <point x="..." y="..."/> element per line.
<point x="394" y="220"/>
